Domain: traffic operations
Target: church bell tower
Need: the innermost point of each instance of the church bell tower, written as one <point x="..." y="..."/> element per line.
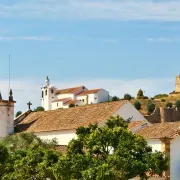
<point x="47" y="95"/>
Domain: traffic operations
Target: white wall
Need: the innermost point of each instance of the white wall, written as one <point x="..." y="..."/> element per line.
<point x="6" y="119"/>
<point x="175" y="159"/>
<point x="81" y="98"/>
<point x="102" y="96"/>
<point x="129" y="111"/>
<point x="62" y="96"/>
<point x="91" y="99"/>
<point x="63" y="137"/>
<point x="156" y="144"/>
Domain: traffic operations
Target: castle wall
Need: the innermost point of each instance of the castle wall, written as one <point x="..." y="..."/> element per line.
<point x="177" y="84"/>
<point x="164" y="115"/>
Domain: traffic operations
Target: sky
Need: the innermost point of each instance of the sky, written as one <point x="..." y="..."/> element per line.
<point x="118" y="45"/>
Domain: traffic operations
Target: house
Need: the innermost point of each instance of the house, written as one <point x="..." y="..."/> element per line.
<point x="53" y="98"/>
<point x="165" y="137"/>
<point x="6" y="116"/>
<point x="62" y="123"/>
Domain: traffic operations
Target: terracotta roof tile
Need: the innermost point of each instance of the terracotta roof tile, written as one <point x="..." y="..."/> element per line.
<point x="64" y="99"/>
<point x="69" y="90"/>
<point x="89" y="92"/>
<point x="134" y="124"/>
<point x="159" y="130"/>
<point x="72" y="102"/>
<point x="70" y="118"/>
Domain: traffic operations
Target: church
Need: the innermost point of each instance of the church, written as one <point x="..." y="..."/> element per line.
<point x="60" y="123"/>
<point x="53" y="98"/>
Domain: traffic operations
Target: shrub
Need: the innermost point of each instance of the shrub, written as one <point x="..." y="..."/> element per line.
<point x="115" y="98"/>
<point x="151" y="107"/>
<point x="39" y="108"/>
<point x="137" y="105"/>
<point x="18" y="113"/>
<point x="72" y="105"/>
<point x="158" y="96"/>
<point x="140" y="93"/>
<point x="169" y="105"/>
<point x="127" y="97"/>
<point x="177" y="103"/>
<point x="163" y="100"/>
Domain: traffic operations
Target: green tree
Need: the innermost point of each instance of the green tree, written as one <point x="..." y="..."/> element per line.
<point x="177" y="103"/>
<point x="72" y="105"/>
<point x="39" y="108"/>
<point x="115" y="98"/>
<point x="18" y="113"/>
<point x="150" y="107"/>
<point x="28" y="158"/>
<point x="109" y="152"/>
<point x="140" y="94"/>
<point x="127" y="97"/>
<point x="169" y="105"/>
<point x="137" y="105"/>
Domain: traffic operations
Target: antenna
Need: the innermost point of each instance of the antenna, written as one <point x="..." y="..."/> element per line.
<point x="9" y="73"/>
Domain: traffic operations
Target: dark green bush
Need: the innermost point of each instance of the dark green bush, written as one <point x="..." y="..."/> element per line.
<point x="163" y="100"/>
<point x="169" y="105"/>
<point x="151" y="107"/>
<point x="127" y="97"/>
<point x="72" y="105"/>
<point x="137" y="105"/>
<point x="177" y="103"/>
<point x="115" y="98"/>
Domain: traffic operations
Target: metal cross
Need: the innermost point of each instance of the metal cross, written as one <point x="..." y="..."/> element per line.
<point x="29" y="105"/>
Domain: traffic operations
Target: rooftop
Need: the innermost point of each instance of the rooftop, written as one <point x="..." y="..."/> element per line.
<point x="69" y="90"/>
<point x="89" y="92"/>
<point x="70" y="118"/>
<point x="159" y="130"/>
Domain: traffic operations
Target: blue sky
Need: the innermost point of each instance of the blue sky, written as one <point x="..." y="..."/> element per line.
<point x="119" y="45"/>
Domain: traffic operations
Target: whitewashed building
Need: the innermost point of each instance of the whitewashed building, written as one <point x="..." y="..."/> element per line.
<point x="6" y="116"/>
<point x="53" y="98"/>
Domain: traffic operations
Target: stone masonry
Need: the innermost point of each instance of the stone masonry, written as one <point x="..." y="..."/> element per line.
<point x="177" y="84"/>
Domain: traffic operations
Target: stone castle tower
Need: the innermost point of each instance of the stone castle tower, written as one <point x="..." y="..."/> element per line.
<point x="6" y="116"/>
<point x="177" y="84"/>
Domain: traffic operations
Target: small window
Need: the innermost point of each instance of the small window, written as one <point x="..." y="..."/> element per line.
<point x="42" y="94"/>
<point x="83" y="100"/>
<point x="95" y="98"/>
<point x="57" y="104"/>
<point x="52" y="91"/>
<point x="46" y="92"/>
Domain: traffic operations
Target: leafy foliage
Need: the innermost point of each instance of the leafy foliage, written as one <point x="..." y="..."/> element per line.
<point x="72" y="105"/>
<point x="115" y="98"/>
<point x="107" y="152"/>
<point x="137" y="105"/>
<point x="127" y="97"/>
<point x="110" y="152"/>
<point x="18" y="113"/>
<point x="158" y="96"/>
<point x="169" y="105"/>
<point x="151" y="107"/>
<point x="177" y="103"/>
<point x="39" y="108"/>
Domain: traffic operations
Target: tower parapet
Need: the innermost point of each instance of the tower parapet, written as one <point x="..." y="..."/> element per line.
<point x="177" y="84"/>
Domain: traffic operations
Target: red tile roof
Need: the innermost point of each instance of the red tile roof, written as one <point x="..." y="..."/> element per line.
<point x="159" y="130"/>
<point x="89" y="92"/>
<point x="69" y="90"/>
<point x="61" y="100"/>
<point x="70" y="118"/>
<point x="72" y="102"/>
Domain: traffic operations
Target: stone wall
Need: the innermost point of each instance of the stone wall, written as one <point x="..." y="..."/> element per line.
<point x="177" y="84"/>
<point x="164" y="115"/>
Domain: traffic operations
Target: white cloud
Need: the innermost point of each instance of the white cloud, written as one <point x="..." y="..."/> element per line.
<point x="163" y="40"/>
<point x="25" y="38"/>
<point x="29" y="90"/>
<point x="91" y="9"/>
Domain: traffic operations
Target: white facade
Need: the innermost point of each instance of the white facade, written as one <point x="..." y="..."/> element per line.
<point x="62" y="137"/>
<point x="175" y="159"/>
<point x="52" y="98"/>
<point x="126" y="111"/>
<point x="6" y="118"/>
<point x="156" y="144"/>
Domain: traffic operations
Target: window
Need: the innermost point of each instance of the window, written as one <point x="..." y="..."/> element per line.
<point x="95" y="98"/>
<point x="46" y="92"/>
<point x="52" y="91"/>
<point x="42" y="94"/>
<point x="83" y="100"/>
<point x="57" y="104"/>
